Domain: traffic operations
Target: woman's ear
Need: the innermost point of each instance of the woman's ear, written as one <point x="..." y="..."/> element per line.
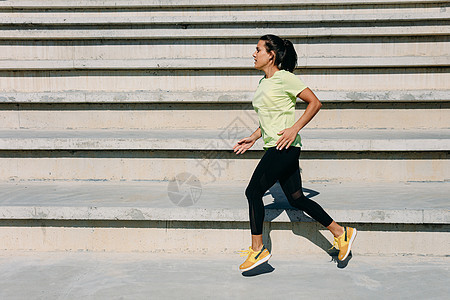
<point x="272" y="55"/>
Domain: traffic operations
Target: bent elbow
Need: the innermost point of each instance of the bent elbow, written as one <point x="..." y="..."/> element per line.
<point x="319" y="105"/>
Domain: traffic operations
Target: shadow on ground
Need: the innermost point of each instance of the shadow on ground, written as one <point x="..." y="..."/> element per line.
<point x="281" y="204"/>
<point x="259" y="270"/>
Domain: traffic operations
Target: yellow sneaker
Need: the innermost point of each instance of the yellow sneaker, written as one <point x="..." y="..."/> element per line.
<point x="254" y="258"/>
<point x="344" y="242"/>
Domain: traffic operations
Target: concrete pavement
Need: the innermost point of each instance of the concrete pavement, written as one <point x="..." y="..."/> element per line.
<point x="96" y="275"/>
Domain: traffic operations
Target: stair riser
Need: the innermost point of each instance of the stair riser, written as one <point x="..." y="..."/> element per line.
<point x="207" y="48"/>
<point x="221" y="166"/>
<point x="362" y="80"/>
<point x="180" y="4"/>
<point x="217" y="237"/>
<point x="201" y="118"/>
<point x="208" y="15"/>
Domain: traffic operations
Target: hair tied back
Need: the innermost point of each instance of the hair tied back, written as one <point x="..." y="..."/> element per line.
<point x="285" y="55"/>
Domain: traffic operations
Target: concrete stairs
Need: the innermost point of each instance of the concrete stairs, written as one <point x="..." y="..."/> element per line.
<point x="384" y="154"/>
<point x="100" y="99"/>
<point x="212" y="217"/>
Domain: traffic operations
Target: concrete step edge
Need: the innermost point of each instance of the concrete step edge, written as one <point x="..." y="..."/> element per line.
<point x="223" y="63"/>
<point x="214" y="140"/>
<point x="221" y="33"/>
<point x="402" y="203"/>
<point x="148" y="19"/>
<point x="409" y="96"/>
<point x="186" y="3"/>
<point x="388" y="216"/>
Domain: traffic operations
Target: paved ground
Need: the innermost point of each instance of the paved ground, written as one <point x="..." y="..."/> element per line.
<point x="87" y="275"/>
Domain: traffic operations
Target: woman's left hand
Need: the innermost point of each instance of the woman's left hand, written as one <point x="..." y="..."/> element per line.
<point x="288" y="136"/>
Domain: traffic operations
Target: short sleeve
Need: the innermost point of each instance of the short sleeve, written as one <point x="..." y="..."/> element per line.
<point x="293" y="85"/>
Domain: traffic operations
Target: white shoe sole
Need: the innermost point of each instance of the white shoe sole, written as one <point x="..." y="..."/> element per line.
<point x="257" y="263"/>
<point x="350" y="244"/>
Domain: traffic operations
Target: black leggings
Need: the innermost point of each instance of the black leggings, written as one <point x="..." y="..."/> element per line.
<point x="281" y="165"/>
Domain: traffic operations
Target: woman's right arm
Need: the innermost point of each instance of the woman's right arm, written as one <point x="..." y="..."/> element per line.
<point x="257" y="134"/>
<point x="246" y="143"/>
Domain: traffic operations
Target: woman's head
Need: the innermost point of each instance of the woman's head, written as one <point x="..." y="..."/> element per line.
<point x="274" y="49"/>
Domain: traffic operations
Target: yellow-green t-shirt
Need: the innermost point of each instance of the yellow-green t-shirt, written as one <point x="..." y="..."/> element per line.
<point x="274" y="102"/>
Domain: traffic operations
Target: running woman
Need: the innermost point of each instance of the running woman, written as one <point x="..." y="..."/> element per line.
<point x="274" y="102"/>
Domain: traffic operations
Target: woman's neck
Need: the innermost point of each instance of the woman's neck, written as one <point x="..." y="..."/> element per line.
<point x="270" y="71"/>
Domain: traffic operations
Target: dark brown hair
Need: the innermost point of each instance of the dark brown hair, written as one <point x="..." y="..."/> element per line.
<point x="285" y="55"/>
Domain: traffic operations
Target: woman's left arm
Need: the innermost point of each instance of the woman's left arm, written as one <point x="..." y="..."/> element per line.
<point x="288" y="135"/>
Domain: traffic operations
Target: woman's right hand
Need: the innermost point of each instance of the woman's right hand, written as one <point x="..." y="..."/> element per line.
<point x="244" y="144"/>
